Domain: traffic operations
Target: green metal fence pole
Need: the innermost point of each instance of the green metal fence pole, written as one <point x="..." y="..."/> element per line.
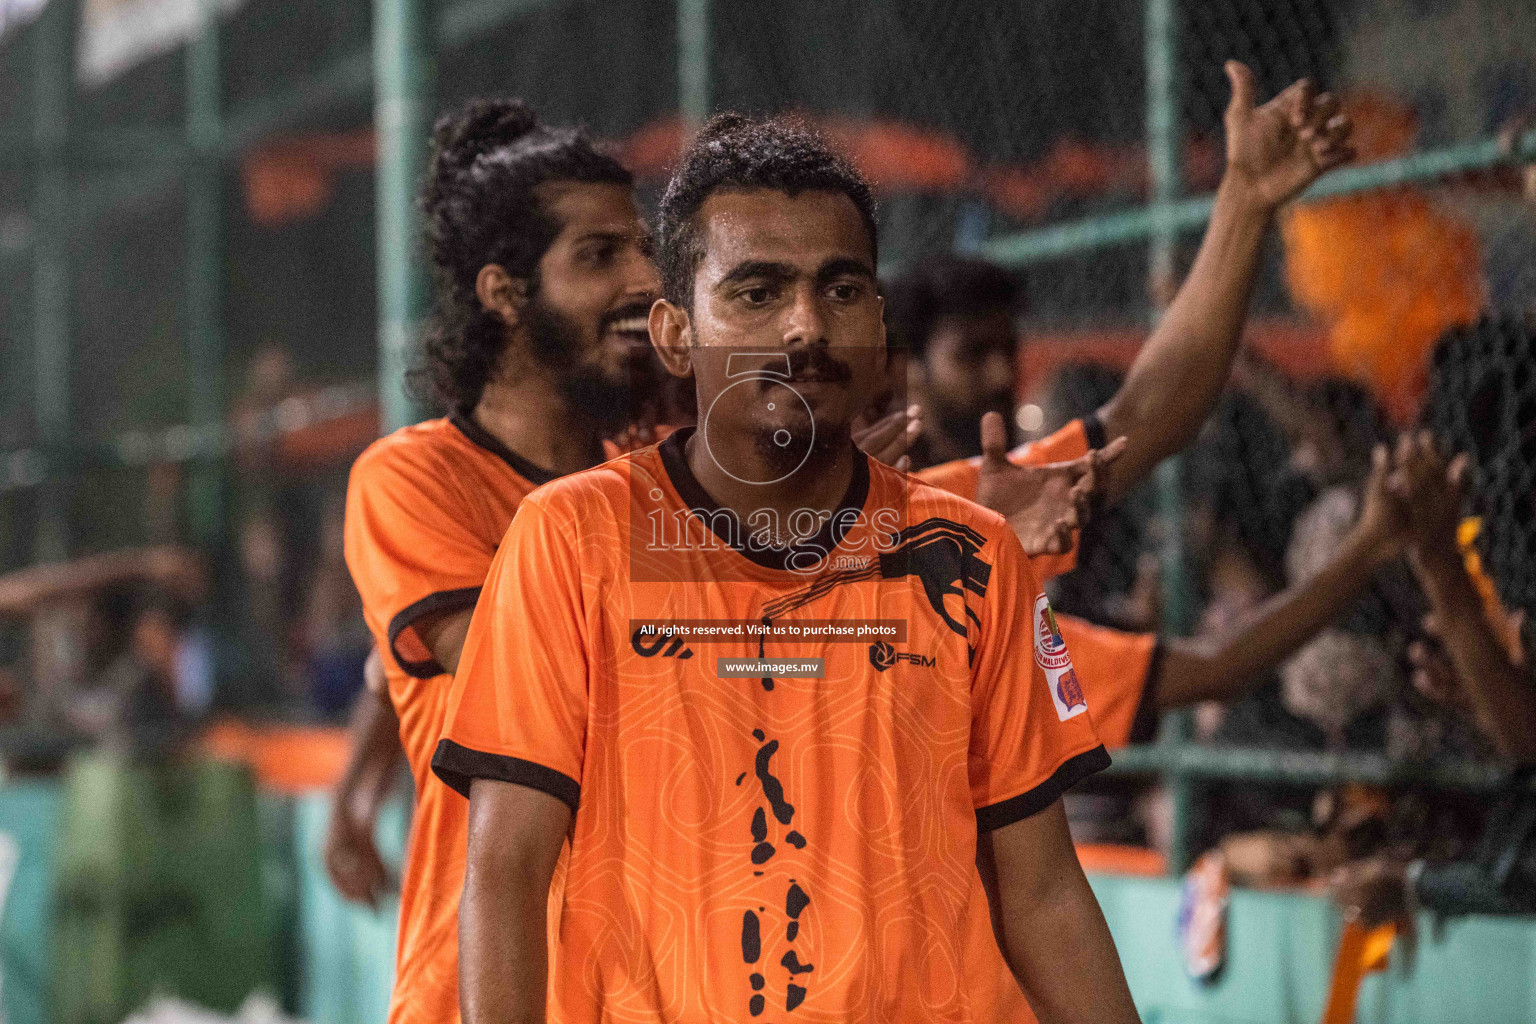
<point x="53" y="57"/>
<point x="1163" y="138"/>
<point x="205" y="273"/>
<point x="693" y="42"/>
<point x="404" y="80"/>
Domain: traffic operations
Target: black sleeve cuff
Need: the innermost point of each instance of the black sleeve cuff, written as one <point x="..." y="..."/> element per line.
<point x="458" y="766"/>
<point x="432" y="604"/>
<point x="1093" y="429"/>
<point x="1144" y="725"/>
<point x="1072" y="771"/>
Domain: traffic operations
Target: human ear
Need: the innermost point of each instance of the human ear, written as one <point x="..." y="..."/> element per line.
<point x="501" y="293"/>
<point x="672" y="337"/>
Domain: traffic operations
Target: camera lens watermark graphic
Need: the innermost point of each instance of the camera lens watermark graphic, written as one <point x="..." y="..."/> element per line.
<point x="759" y="369"/>
<point x="769" y="420"/>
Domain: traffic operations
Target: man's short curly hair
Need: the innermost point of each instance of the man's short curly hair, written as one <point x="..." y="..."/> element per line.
<point x="734" y="151"/>
<point x="480" y="206"/>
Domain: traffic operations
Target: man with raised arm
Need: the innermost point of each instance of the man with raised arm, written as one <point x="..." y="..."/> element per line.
<point x="956" y="316"/>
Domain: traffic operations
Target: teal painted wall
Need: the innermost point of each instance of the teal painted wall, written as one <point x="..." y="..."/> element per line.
<point x="1279" y="950"/>
<point x="346" y="952"/>
<point x="29" y="823"/>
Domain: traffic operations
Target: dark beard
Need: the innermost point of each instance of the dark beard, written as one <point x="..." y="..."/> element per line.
<point x="783" y="460"/>
<point x="554" y="341"/>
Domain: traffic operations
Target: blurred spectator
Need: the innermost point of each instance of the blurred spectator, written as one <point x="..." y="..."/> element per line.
<point x="1340" y="674"/>
<point x="954" y="316"/>
<point x="1474" y="656"/>
<point x="128" y="653"/>
<point x="1499" y="877"/>
<point x="336" y="638"/>
<point x="1493" y="682"/>
<point x="1283" y="463"/>
<point x="159" y="683"/>
<point x="1482" y="402"/>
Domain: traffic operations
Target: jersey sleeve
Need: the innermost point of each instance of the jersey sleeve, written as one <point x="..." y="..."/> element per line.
<point x="409" y="551"/>
<point x="963" y="476"/>
<point x="1031" y="735"/>
<point x="960" y="476"/>
<point x="1072" y="441"/>
<point x="1117" y="671"/>
<point x="517" y="711"/>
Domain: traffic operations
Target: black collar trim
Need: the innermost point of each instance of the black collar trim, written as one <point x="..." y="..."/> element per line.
<point x="674" y="458"/>
<point x="485" y="439"/>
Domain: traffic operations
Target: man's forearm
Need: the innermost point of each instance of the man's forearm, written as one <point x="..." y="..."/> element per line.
<point x="504" y="958"/>
<point x="374" y="755"/>
<point x="515" y="835"/>
<point x="1048" y="923"/>
<point x="1181" y="370"/>
<point x="1502" y="700"/>
<point x="1225" y="667"/>
<point x="1070" y="930"/>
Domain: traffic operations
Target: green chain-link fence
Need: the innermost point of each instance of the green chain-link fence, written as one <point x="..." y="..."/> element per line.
<point x="207" y="253"/>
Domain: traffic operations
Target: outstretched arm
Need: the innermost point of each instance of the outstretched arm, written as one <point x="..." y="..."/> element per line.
<point x="1273" y="153"/>
<point x="1049" y="925"/>
<point x="24" y="590"/>
<point x="514" y="840"/>
<point x="351" y="858"/>
<point x="1224" y="667"/>
<point x="1494" y="682"/>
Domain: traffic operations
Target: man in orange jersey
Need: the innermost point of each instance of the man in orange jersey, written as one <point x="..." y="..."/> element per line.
<point x="537" y="252"/>
<point x="955" y="317"/>
<point x="766" y="816"/>
<point x="543" y="285"/>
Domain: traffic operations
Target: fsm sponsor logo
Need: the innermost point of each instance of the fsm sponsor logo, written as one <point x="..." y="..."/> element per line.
<point x="882" y="655"/>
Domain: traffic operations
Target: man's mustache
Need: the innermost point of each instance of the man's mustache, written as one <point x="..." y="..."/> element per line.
<point x="817" y="364"/>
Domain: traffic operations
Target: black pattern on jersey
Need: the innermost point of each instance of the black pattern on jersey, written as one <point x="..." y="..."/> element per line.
<point x="944" y="555"/>
<point x="795" y="900"/>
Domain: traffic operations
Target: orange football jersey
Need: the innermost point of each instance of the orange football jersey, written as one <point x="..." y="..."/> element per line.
<point x="800" y="847"/>
<point x="1117" y="669"/>
<point x="427" y="507"/>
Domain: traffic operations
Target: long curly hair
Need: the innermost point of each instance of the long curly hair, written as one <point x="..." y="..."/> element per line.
<point x="480" y="206"/>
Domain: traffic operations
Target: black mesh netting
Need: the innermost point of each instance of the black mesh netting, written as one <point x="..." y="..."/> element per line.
<point x="1482" y="400"/>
